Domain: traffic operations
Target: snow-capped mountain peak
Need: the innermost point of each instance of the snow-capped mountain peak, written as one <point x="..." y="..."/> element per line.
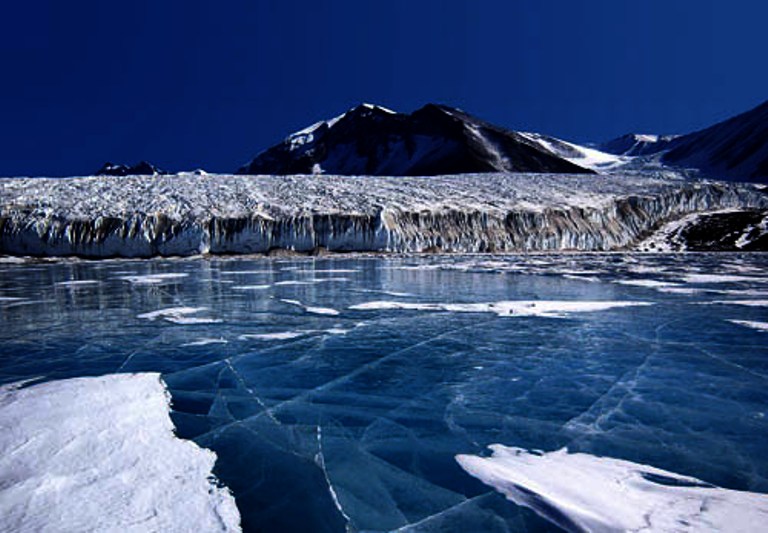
<point x="435" y="139"/>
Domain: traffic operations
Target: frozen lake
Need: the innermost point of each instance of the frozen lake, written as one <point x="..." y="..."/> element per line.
<point x="338" y="391"/>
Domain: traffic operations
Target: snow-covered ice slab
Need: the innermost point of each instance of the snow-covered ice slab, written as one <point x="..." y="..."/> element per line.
<point x="143" y="216"/>
<point x="582" y="492"/>
<point x="99" y="454"/>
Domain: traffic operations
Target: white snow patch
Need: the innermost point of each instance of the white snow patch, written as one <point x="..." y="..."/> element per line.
<point x="577" y="154"/>
<point x="244" y="272"/>
<point x="682" y="290"/>
<point x="250" y="287"/>
<point x="171" y="312"/>
<point x="100" y="454"/>
<point x="206" y="341"/>
<point x="650" y="283"/>
<point x="178" y="315"/>
<point x="720" y="278"/>
<point x="78" y="283"/>
<point x="542" y="308"/>
<point x="583" y="492"/>
<point x="761" y="326"/>
<point x="191" y="320"/>
<point x="312" y="309"/>
<point x="750" y="303"/>
<point x="281" y="335"/>
<point x="153" y="279"/>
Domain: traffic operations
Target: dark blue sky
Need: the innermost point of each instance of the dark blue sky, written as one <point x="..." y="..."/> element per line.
<point x="189" y="84"/>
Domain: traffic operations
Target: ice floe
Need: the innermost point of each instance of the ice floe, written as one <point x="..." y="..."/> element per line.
<point x="581" y="492"/>
<point x="100" y="454"/>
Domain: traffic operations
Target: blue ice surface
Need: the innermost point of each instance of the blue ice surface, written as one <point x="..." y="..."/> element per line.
<point x="354" y="419"/>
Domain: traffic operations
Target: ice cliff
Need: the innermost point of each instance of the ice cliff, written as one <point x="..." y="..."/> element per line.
<point x="186" y="214"/>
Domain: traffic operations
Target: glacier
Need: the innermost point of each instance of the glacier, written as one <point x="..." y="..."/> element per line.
<point x="188" y="214"/>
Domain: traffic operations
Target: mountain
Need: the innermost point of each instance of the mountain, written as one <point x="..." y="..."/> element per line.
<point x="139" y="169"/>
<point x="735" y="149"/>
<point x="637" y="144"/>
<point x="434" y="140"/>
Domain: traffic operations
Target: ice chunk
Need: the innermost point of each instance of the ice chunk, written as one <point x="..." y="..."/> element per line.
<point x="99" y="454"/>
<point x="581" y="492"/>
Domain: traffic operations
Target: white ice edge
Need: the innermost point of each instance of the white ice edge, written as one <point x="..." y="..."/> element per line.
<point x="542" y="308"/>
<point x="582" y="492"/>
<point x="100" y="454"/>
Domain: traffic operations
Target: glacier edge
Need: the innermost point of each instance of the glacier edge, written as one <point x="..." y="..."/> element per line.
<point x="182" y="215"/>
